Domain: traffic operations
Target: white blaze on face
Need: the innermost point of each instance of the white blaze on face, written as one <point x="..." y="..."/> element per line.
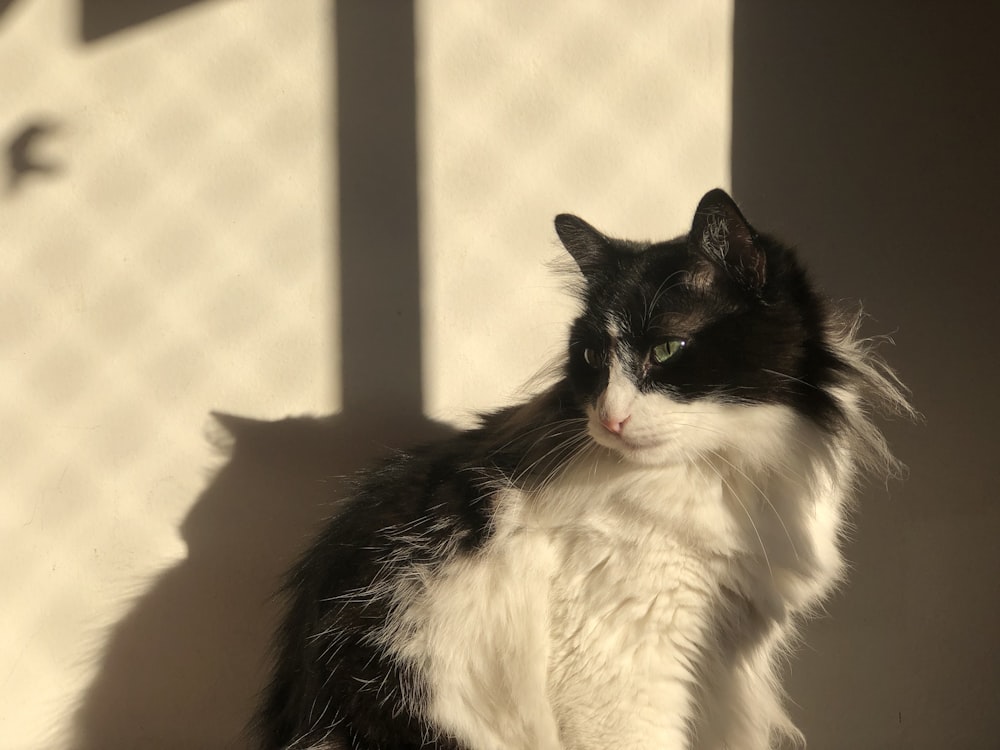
<point x="614" y="405"/>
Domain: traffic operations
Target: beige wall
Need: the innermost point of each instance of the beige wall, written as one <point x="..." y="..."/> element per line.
<point x="184" y="256"/>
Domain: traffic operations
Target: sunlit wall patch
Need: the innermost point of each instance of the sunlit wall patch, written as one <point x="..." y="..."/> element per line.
<point x="526" y="110"/>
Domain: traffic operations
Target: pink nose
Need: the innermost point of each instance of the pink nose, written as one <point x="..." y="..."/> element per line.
<point x="614" y="424"/>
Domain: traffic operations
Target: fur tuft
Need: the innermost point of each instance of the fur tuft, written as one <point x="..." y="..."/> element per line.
<point x="873" y="391"/>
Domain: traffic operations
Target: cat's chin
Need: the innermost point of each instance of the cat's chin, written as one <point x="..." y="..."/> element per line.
<point x="648" y="456"/>
<point x="642" y="453"/>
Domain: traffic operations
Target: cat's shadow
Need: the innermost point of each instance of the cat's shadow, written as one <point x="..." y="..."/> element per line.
<point x="184" y="668"/>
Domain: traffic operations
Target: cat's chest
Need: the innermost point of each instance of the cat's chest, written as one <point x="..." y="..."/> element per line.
<point x="612" y="589"/>
<point x="628" y="619"/>
<point x="639" y="558"/>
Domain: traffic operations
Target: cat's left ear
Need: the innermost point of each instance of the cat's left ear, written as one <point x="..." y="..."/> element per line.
<point x="589" y="247"/>
<point x="725" y="237"/>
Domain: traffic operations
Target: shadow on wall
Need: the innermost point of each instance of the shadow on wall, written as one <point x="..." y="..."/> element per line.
<point x="184" y="667"/>
<point x="26" y="155"/>
<point x="871" y="137"/>
<point x="181" y="669"/>
<point x="102" y="18"/>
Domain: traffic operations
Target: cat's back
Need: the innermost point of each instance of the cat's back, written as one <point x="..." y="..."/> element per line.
<point x="338" y="650"/>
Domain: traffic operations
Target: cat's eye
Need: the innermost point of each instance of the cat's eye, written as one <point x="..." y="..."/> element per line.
<point x="667" y="350"/>
<point x="591" y="357"/>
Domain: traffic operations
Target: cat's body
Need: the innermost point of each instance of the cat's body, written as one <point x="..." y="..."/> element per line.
<point x="617" y="562"/>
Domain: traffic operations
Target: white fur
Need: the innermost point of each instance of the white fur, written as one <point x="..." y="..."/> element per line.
<point x="591" y="619"/>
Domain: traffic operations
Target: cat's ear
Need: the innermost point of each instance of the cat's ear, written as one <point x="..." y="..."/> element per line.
<point x="721" y="233"/>
<point x="589" y="247"/>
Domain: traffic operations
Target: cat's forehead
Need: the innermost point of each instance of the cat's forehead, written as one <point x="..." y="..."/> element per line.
<point x="663" y="292"/>
<point x="658" y="270"/>
<point x="664" y="263"/>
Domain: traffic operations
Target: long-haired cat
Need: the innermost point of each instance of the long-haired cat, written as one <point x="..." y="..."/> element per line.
<point x="618" y="562"/>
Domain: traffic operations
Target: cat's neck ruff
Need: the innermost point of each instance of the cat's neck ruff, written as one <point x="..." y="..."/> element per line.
<point x="761" y="446"/>
<point x="768" y="515"/>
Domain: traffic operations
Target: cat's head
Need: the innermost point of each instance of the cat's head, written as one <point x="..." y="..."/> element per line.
<point x="699" y="345"/>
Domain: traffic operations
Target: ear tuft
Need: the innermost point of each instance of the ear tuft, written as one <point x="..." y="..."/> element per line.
<point x="725" y="237"/>
<point x="589" y="247"/>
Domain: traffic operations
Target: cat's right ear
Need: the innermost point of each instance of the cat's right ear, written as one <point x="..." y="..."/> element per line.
<point x="589" y="247"/>
<point x="722" y="235"/>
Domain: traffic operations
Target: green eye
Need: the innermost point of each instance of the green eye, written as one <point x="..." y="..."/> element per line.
<point x="667" y="350"/>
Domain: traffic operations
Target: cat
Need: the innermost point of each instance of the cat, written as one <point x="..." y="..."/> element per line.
<point x="620" y="561"/>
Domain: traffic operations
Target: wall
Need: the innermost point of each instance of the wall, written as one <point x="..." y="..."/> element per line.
<point x="870" y="138"/>
<point x="200" y="215"/>
<point x="264" y="209"/>
<point x="165" y="214"/>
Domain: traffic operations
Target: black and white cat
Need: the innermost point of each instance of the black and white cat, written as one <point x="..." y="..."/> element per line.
<point x="617" y="562"/>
